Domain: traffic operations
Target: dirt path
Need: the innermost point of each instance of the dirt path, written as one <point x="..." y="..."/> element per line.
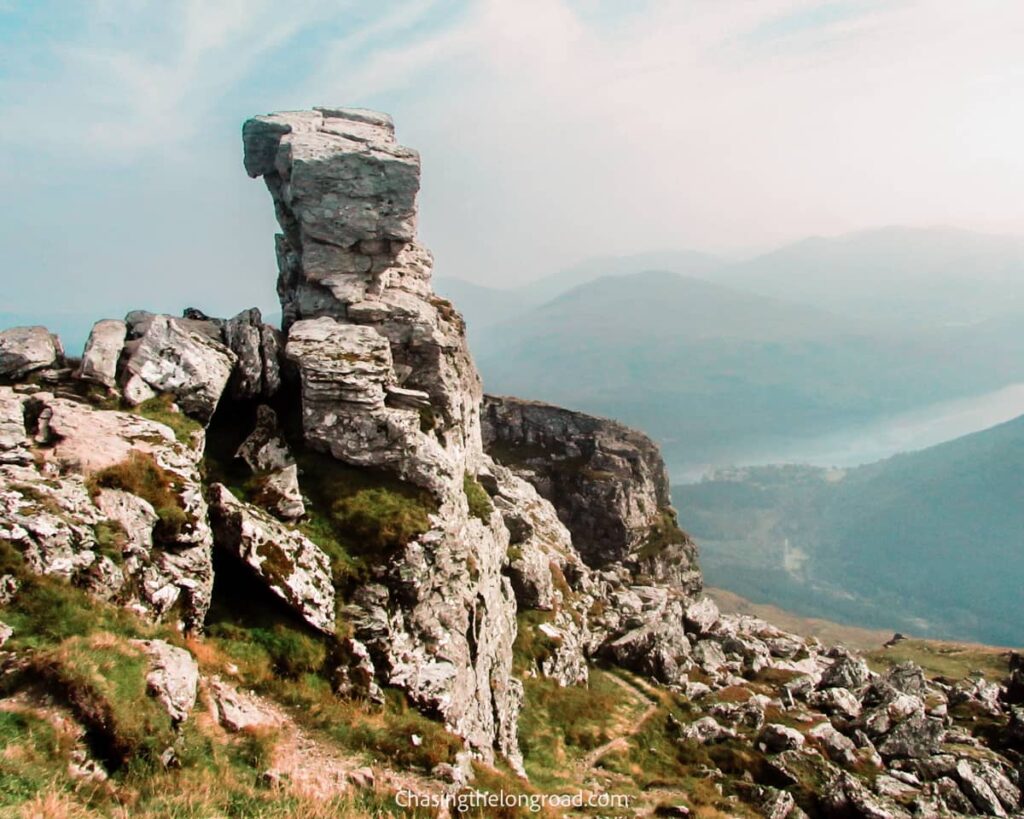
<point x="621" y="742"/>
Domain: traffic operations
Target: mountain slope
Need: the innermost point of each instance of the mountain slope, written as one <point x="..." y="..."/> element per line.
<point x="930" y="542"/>
<point x="711" y="371"/>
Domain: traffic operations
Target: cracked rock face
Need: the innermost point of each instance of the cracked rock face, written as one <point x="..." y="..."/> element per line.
<point x="290" y="564"/>
<point x="388" y="383"/>
<point x="608" y="483"/>
<point x="47" y="511"/>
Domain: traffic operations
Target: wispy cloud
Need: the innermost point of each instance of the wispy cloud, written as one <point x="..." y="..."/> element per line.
<point x="550" y="129"/>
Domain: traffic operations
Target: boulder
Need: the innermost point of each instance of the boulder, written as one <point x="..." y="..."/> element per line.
<point x="103" y="351"/>
<point x="172" y="358"/>
<point x="173" y="677"/>
<point x="704" y="730"/>
<point x="290" y="564"/>
<point x="701" y="615"/>
<point x="23" y="350"/>
<point x="916" y="737"/>
<point x="840" y="749"/>
<point x="847" y="671"/>
<point x="265" y="449"/>
<point x="777" y="738"/>
<point x="240" y="711"/>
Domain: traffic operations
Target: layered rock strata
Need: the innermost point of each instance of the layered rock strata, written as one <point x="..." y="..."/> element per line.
<point x="388" y="383"/>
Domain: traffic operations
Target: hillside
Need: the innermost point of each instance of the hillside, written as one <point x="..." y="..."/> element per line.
<point x="484" y="306"/>
<point x="713" y="372"/>
<point x="931" y="542"/>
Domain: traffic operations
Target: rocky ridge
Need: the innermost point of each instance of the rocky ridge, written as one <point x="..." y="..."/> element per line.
<point x="469" y="546"/>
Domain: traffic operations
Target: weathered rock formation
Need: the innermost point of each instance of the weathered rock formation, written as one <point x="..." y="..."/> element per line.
<point x="67" y="510"/>
<point x="388" y="383"/>
<point x="25" y="350"/>
<point x="607" y="481"/>
<point x="530" y="523"/>
<point x="290" y="565"/>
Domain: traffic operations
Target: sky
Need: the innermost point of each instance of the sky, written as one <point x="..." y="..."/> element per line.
<point x="550" y="130"/>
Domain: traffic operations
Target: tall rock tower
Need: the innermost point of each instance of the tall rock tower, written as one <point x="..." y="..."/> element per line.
<point x="388" y="383"/>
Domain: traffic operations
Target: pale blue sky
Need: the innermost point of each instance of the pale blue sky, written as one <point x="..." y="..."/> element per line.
<point x="551" y="130"/>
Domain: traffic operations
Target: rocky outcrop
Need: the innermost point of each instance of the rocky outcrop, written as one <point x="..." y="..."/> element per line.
<point x="108" y="540"/>
<point x="170" y="358"/>
<point x="25" y="350"/>
<point x="103" y="352"/>
<point x="290" y="564"/>
<point x="608" y="483"/>
<point x="388" y="383"/>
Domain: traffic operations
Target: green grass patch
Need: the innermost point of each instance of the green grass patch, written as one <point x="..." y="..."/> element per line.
<point x="47" y="610"/>
<point x="103" y="679"/>
<point x="559" y="725"/>
<point x="163" y="410"/>
<point x="480" y="505"/>
<point x="263" y="653"/>
<point x="951" y="660"/>
<point x="141" y="475"/>
<point x="359" y="516"/>
<point x="384" y="733"/>
<point x="33" y="758"/>
<point x="664" y="532"/>
<point x="532" y="646"/>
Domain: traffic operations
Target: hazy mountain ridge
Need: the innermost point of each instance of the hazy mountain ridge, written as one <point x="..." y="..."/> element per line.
<point x="931" y="542"/>
<point x="712" y="371"/>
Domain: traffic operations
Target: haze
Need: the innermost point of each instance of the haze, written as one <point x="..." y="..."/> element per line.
<point x="550" y="131"/>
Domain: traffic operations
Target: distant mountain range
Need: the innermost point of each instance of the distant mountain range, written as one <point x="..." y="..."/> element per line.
<point x="782" y="346"/>
<point x="920" y="276"/>
<point x="931" y="542"/>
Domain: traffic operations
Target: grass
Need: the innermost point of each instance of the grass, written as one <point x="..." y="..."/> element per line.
<point x="950" y="660"/>
<point x="359" y="516"/>
<point x="559" y="725"/>
<point x="480" y="505"/>
<point x="141" y="475"/>
<point x="664" y="532"/>
<point x="47" y="611"/>
<point x="111" y="539"/>
<point x="381" y="519"/>
<point x="103" y="678"/>
<point x="531" y="646"/>
<point x="163" y="410"/>
<point x="32" y="757"/>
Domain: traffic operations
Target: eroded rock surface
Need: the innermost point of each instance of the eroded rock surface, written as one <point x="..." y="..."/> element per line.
<point x="24" y="350"/>
<point x="290" y="564"/>
<point x="106" y="540"/>
<point x="607" y="481"/>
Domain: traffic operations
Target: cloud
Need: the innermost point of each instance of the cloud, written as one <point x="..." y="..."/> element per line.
<point x="717" y="125"/>
<point x="140" y="76"/>
<point x="550" y="130"/>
